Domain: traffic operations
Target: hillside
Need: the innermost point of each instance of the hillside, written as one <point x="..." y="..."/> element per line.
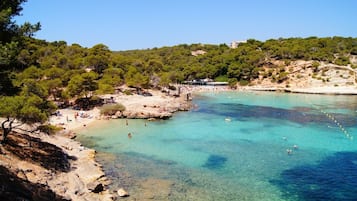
<point x="305" y="75"/>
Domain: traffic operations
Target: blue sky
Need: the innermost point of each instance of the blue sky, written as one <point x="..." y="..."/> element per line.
<point x="141" y="24"/>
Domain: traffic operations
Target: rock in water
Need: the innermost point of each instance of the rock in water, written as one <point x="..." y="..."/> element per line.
<point x="122" y="193"/>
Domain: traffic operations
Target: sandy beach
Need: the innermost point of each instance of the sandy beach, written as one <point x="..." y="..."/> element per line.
<point x="159" y="105"/>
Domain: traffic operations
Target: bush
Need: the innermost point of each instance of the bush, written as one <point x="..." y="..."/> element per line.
<point x="49" y="129"/>
<point x="232" y="82"/>
<point x="243" y="82"/>
<point x="221" y="78"/>
<point x="127" y="92"/>
<point x="111" y="109"/>
<point x="88" y="103"/>
<point x="342" y="61"/>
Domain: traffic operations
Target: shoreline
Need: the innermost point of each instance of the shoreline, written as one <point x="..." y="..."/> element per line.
<point x="325" y="90"/>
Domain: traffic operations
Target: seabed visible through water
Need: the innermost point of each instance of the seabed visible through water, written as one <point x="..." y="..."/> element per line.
<point x="235" y="146"/>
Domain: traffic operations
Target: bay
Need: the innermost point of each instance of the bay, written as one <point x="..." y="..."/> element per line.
<point x="236" y="146"/>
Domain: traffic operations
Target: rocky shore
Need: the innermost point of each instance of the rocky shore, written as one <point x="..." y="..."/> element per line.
<point x="157" y="106"/>
<point x="43" y="167"/>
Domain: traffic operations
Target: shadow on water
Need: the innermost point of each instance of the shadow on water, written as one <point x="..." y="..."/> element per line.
<point x="334" y="178"/>
<point x="215" y="162"/>
<point x="296" y="115"/>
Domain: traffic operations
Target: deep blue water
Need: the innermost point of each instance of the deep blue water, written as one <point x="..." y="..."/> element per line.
<point x="233" y="146"/>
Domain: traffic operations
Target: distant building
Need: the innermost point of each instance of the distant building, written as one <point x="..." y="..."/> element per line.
<point x="235" y="44"/>
<point x="206" y="81"/>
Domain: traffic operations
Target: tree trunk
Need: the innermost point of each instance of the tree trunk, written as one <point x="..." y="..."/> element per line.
<point x="6" y="130"/>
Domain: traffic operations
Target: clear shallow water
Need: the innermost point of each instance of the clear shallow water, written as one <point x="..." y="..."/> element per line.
<point x="233" y="147"/>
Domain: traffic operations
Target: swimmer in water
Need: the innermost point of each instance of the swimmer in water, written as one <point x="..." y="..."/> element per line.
<point x="129" y="135"/>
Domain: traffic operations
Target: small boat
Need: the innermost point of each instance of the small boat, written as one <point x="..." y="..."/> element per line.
<point x="227" y="119"/>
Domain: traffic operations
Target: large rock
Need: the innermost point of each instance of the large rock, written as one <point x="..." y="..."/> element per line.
<point x="146" y="115"/>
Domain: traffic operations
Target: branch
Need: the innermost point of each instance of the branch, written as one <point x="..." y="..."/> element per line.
<point x="4" y="122"/>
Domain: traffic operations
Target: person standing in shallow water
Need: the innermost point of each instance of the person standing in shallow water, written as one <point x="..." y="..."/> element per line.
<point x="129" y="135"/>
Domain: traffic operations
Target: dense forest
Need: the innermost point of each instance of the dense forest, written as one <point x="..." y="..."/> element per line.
<point x="65" y="71"/>
<point x="34" y="72"/>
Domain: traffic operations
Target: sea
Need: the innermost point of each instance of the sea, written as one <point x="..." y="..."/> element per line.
<point x="248" y="146"/>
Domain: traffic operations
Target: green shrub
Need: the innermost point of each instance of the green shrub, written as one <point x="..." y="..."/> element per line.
<point x="221" y="78"/>
<point x="315" y="64"/>
<point x="111" y="109"/>
<point x="342" y="61"/>
<point x="49" y="129"/>
<point x="232" y="82"/>
<point x="243" y="82"/>
<point x="127" y="92"/>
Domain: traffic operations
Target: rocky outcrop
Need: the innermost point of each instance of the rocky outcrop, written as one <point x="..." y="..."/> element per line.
<point x="50" y="168"/>
<point x="145" y="115"/>
<point x="157" y="107"/>
<point x="18" y="187"/>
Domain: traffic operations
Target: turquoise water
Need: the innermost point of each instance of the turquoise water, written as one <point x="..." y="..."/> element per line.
<point x="233" y="146"/>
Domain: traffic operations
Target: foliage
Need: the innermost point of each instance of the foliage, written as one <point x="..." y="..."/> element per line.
<point x="88" y="103"/>
<point x="232" y="82"/>
<point x="343" y="61"/>
<point x="25" y="109"/>
<point x="134" y="78"/>
<point x="82" y="85"/>
<point x="49" y="129"/>
<point x="111" y="109"/>
<point x="12" y="37"/>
